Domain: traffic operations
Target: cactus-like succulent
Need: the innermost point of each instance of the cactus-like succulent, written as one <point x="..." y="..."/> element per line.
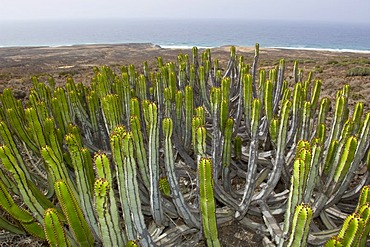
<point x="300" y="225"/>
<point x="356" y="227"/>
<point x="151" y="159"/>
<point x="207" y="202"/>
<point x="54" y="230"/>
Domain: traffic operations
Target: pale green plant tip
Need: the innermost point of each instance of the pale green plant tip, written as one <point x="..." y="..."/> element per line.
<point x="334" y="242"/>
<point x="256" y="49"/>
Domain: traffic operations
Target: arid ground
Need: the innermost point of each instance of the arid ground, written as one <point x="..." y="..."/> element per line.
<point x="17" y="65"/>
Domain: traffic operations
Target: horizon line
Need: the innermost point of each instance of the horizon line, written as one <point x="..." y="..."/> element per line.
<point x="116" y="18"/>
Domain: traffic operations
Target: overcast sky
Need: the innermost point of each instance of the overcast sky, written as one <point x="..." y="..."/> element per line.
<point x="315" y="10"/>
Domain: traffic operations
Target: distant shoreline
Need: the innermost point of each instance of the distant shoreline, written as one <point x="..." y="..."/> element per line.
<point x="321" y="49"/>
<point x="186" y="47"/>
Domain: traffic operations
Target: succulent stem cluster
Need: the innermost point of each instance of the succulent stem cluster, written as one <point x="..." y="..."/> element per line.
<point x="155" y="158"/>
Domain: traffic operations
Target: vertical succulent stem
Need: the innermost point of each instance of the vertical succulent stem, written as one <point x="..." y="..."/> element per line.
<point x="248" y="99"/>
<point x="215" y="106"/>
<point x="254" y="70"/>
<point x="178" y="112"/>
<point x="296" y="112"/>
<point x="304" y="133"/>
<point x="54" y="230"/>
<point x="351" y="230"/>
<point x="301" y="171"/>
<point x="24" y="185"/>
<point x="364" y="213"/>
<point x="106" y="203"/>
<point x="19" y="214"/>
<point x="73" y="212"/>
<point x="142" y="159"/>
<point x="314" y="171"/>
<point x="108" y="224"/>
<point x="279" y="84"/>
<point x="226" y="154"/>
<point x="35" y="124"/>
<point x="357" y="114"/>
<point x="340" y="107"/>
<point x="315" y="96"/>
<point x="155" y="196"/>
<point x="82" y="163"/>
<point x="118" y="159"/>
<point x="19" y="127"/>
<point x="178" y="198"/>
<point x="300" y="225"/>
<point x="7" y="138"/>
<point x="207" y="202"/>
<point x="132" y="192"/>
<point x="189" y="111"/>
<point x="268" y="101"/>
<point x="280" y="152"/>
<point x="252" y="161"/>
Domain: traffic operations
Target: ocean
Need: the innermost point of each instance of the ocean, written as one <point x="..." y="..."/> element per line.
<point x="188" y="33"/>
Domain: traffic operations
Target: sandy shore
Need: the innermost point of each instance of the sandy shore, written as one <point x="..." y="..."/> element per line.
<point x="18" y="64"/>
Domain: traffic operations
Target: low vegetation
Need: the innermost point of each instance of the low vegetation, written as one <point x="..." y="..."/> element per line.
<point x="359" y="71"/>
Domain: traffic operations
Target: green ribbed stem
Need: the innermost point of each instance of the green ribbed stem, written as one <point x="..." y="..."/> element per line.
<point x="19" y="214"/>
<point x="109" y="217"/>
<point x="207" y="202"/>
<point x="82" y="162"/>
<point x="73" y="212"/>
<point x="176" y="194"/>
<point x="54" y="231"/>
<point x="351" y="230"/>
<point x="108" y="224"/>
<point x="32" y="197"/>
<point x="155" y="196"/>
<point x="300" y="226"/>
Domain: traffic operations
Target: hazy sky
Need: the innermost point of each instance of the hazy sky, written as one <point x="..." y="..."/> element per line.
<point x="319" y="10"/>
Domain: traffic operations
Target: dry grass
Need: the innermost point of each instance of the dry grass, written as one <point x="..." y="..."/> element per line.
<point x="11" y="240"/>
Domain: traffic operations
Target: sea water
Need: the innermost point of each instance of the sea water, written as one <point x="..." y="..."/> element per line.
<point x="188" y="33"/>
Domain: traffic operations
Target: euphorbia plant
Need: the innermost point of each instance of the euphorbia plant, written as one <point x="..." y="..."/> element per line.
<point x="152" y="158"/>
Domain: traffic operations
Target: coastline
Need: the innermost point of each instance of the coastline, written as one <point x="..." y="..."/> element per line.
<point x="187" y="47"/>
<point x="18" y="64"/>
<point x="322" y="49"/>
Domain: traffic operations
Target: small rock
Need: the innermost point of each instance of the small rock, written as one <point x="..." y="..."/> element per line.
<point x="19" y="94"/>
